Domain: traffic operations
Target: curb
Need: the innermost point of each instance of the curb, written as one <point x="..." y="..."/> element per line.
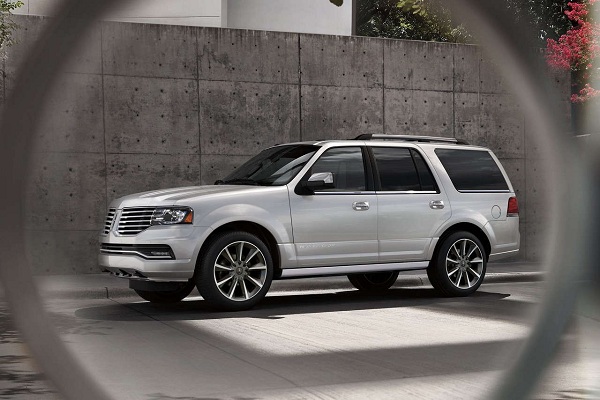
<point x="294" y="285"/>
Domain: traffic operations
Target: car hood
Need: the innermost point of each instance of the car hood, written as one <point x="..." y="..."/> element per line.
<point x="179" y="196"/>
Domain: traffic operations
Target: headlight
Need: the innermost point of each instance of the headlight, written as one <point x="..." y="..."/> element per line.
<point x="172" y="215"/>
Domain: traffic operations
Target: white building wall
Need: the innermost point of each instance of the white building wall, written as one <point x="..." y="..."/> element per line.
<point x="169" y="12"/>
<point x="305" y="16"/>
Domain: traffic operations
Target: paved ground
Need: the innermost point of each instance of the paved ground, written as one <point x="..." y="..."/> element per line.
<point x="331" y="342"/>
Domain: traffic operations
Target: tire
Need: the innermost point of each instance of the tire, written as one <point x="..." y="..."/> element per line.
<point x="163" y="297"/>
<point x="374" y="282"/>
<point x="229" y="282"/>
<point x="458" y="267"/>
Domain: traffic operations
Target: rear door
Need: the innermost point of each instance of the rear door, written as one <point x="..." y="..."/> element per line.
<point x="411" y="208"/>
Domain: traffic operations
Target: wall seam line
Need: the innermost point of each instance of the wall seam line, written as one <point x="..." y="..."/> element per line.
<point x="455" y="48"/>
<point x="104" y="114"/>
<point x="300" y="89"/>
<point x="198" y="98"/>
<point x="383" y="129"/>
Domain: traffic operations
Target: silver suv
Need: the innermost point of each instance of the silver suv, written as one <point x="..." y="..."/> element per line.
<point x="366" y="208"/>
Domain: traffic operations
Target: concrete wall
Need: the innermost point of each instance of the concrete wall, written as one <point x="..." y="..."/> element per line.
<point x="149" y="106"/>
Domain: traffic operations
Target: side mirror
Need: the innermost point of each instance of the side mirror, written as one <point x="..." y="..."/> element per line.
<point x="318" y="181"/>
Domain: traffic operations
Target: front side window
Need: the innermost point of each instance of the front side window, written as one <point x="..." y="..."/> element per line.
<point x="347" y="166"/>
<point x="402" y="169"/>
<point x="472" y="170"/>
<point x="272" y="167"/>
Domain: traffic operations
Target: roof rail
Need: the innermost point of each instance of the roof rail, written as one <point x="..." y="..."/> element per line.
<point x="410" y="138"/>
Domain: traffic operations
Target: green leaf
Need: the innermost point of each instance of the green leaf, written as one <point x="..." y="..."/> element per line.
<point x="337" y="2"/>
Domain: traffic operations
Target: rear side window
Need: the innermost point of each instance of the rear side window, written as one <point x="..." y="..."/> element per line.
<point x="402" y="169"/>
<point x="472" y="170"/>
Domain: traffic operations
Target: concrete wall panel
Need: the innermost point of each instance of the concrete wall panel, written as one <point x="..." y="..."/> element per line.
<point x="534" y="241"/>
<point x="466" y="68"/>
<point x="415" y="112"/>
<point x="418" y="65"/>
<point x="2" y="75"/>
<point x="28" y="31"/>
<point x="66" y="191"/>
<point x="489" y="78"/>
<point x="467" y="117"/>
<point x="240" y="118"/>
<point x="213" y="167"/>
<point x="536" y="191"/>
<point x="131" y="173"/>
<point x="248" y="56"/>
<point x="73" y="119"/>
<point x="86" y="56"/>
<point x="149" y="115"/>
<point x="515" y="168"/>
<point x="340" y="112"/>
<point x="64" y="252"/>
<point x="166" y="51"/>
<point x="341" y="61"/>
<point x="502" y="125"/>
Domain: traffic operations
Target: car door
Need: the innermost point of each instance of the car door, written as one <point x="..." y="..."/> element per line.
<point x="411" y="207"/>
<point x="336" y="226"/>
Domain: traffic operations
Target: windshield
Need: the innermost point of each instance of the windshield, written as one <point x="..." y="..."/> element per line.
<point x="272" y="167"/>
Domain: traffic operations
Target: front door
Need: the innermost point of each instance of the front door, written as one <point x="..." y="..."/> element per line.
<point x="336" y="226"/>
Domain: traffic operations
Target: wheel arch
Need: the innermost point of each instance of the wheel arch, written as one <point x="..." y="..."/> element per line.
<point x="251" y="227"/>
<point x="466" y="227"/>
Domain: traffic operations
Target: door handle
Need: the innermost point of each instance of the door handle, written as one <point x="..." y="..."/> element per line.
<point x="360" y="205"/>
<point x="436" y="204"/>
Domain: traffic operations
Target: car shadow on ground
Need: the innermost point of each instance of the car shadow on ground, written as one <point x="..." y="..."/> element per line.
<point x="280" y="306"/>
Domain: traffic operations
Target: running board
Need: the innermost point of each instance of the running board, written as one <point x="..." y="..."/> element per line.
<point x="350" y="269"/>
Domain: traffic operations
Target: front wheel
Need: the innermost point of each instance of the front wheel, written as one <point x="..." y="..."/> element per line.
<point x="373" y="282"/>
<point x="235" y="272"/>
<point x="169" y="296"/>
<point x="459" y="265"/>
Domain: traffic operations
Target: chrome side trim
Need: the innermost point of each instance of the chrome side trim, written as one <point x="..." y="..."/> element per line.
<point x="484" y="191"/>
<point x="344" y="193"/>
<point x="351" y="269"/>
<point x="502" y="255"/>
<point x="408" y="192"/>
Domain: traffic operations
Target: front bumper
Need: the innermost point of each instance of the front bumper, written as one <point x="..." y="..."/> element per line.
<point x="131" y="256"/>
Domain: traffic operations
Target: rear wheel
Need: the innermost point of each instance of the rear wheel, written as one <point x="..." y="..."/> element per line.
<point x="373" y="282"/>
<point x="235" y="272"/>
<point x="170" y="296"/>
<point x="459" y="265"/>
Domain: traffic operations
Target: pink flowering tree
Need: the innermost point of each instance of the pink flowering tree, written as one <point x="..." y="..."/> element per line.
<point x="577" y="51"/>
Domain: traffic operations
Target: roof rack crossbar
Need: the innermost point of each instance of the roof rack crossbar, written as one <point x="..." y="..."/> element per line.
<point x="410" y="138"/>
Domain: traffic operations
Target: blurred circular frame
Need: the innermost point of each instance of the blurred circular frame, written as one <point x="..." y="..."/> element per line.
<point x="570" y="174"/>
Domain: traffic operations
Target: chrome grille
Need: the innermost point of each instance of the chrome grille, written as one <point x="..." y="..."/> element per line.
<point x="134" y="220"/>
<point x="110" y="216"/>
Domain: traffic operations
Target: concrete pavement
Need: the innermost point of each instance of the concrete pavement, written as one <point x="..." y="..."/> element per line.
<point x="97" y="286"/>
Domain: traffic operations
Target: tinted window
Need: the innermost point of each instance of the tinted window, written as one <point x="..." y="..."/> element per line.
<point x="347" y="166"/>
<point x="425" y="175"/>
<point x="472" y="169"/>
<point x="396" y="169"/>
<point x="274" y="166"/>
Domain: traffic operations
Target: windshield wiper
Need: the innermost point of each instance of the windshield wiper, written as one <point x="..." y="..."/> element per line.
<point x="238" y="181"/>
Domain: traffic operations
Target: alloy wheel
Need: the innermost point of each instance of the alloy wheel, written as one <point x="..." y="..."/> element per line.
<point x="464" y="263"/>
<point x="240" y="271"/>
